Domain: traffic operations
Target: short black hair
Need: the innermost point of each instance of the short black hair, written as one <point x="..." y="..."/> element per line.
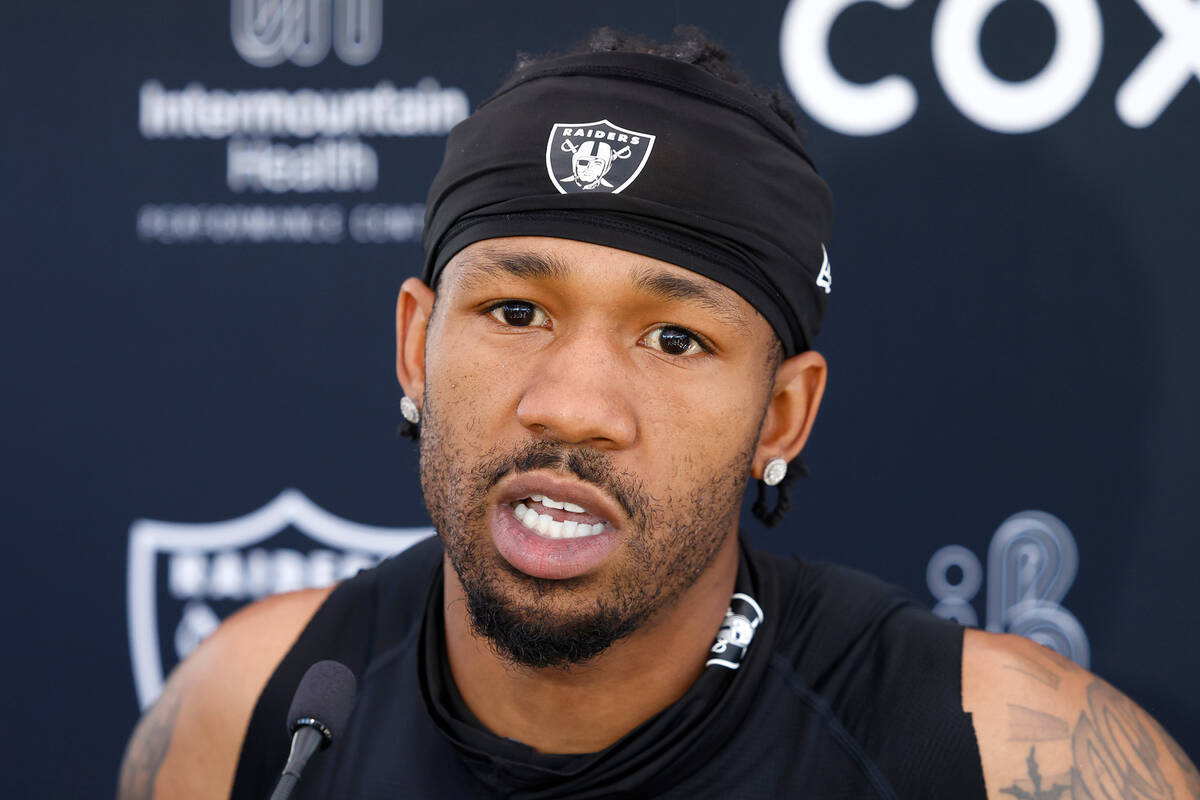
<point x="690" y="45"/>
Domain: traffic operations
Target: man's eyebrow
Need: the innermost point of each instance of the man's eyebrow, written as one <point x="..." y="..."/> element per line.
<point x="480" y="268"/>
<point x="669" y="286"/>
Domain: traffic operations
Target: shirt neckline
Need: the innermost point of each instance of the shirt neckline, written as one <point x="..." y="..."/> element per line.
<point x="667" y="747"/>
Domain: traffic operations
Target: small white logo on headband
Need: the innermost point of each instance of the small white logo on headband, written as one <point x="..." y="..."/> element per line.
<point x="595" y="156"/>
<point x="825" y="276"/>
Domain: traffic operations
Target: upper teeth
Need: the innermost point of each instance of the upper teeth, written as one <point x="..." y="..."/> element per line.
<point x="550" y="503"/>
<point x="551" y="528"/>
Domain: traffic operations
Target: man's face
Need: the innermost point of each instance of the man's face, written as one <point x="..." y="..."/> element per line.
<point x="588" y="424"/>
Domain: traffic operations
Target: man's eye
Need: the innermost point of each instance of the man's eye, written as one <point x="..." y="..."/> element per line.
<point x="675" y="341"/>
<point x="518" y="314"/>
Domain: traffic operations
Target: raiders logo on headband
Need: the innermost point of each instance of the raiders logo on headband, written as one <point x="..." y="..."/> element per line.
<point x="595" y="156"/>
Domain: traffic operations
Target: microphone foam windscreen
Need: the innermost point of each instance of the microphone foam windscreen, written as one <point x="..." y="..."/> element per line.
<point x="326" y="693"/>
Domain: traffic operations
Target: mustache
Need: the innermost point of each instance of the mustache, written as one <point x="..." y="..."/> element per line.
<point x="589" y="466"/>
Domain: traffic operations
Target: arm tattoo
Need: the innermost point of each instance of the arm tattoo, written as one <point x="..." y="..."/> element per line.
<point x="1191" y="777"/>
<point x="148" y="748"/>
<point x="1062" y="662"/>
<point x="1114" y="746"/>
<point x="1029" y="725"/>
<point x="1053" y="792"/>
<point x="1031" y="668"/>
<point x="1115" y="755"/>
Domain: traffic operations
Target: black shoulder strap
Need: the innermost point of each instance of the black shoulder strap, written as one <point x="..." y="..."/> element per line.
<point x="345" y="628"/>
<point x="340" y="631"/>
<point x="892" y="674"/>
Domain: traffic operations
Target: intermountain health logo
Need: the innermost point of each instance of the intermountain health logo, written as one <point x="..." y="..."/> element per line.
<point x="268" y="32"/>
<point x="184" y="578"/>
<point x="595" y="156"/>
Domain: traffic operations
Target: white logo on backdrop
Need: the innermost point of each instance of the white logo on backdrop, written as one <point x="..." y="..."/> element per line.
<point x="991" y="102"/>
<point x="1032" y="562"/>
<point x="335" y="128"/>
<point x="338" y="156"/>
<point x="268" y="32"/>
<point x="1159" y="78"/>
<point x="230" y="563"/>
<point x="337" y="121"/>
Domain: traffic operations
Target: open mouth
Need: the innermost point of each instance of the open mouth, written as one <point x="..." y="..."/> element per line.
<point x="556" y="519"/>
<point x="549" y="526"/>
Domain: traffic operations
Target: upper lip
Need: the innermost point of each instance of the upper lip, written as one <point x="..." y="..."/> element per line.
<point x="557" y="487"/>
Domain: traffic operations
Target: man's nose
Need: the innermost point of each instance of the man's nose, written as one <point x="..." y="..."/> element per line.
<point x="579" y="391"/>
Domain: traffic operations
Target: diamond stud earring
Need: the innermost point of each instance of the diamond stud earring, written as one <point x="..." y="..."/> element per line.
<point x="408" y="409"/>
<point x="773" y="473"/>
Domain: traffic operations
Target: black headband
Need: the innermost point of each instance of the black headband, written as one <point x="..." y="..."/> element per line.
<point x="649" y="155"/>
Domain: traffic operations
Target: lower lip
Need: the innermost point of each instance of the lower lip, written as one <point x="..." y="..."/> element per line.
<point x="553" y="559"/>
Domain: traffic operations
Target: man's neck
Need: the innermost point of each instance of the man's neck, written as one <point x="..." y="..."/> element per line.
<point x="585" y="708"/>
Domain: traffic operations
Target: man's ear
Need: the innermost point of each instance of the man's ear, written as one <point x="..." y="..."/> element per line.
<point x="799" y="385"/>
<point x="413" y="310"/>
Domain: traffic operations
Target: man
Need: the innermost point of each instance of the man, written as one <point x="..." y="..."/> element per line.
<point x="593" y="369"/>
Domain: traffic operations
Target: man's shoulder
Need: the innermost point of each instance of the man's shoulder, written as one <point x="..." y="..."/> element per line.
<point x="827" y="611"/>
<point x="868" y="648"/>
<point x="1044" y="722"/>
<point x="250" y="644"/>
<point x="186" y="745"/>
<point x="884" y="668"/>
<point x="382" y="604"/>
<point x="824" y="585"/>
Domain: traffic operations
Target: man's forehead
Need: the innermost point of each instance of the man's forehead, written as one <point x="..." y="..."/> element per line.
<point x="538" y="258"/>
<point x="763" y="234"/>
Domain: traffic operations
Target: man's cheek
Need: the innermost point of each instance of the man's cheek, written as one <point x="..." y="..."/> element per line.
<point x="471" y="389"/>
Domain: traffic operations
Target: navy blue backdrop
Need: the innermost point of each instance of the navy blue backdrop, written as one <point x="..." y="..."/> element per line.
<point x="210" y="206"/>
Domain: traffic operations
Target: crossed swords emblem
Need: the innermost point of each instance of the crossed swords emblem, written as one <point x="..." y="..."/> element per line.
<point x="569" y="147"/>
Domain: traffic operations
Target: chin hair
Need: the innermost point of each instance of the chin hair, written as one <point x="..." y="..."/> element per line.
<point x="542" y="640"/>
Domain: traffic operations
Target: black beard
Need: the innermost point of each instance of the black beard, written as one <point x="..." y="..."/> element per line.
<point x="531" y="639"/>
<point x="520" y="615"/>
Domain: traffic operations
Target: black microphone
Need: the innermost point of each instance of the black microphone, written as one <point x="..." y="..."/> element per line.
<point x="319" y="711"/>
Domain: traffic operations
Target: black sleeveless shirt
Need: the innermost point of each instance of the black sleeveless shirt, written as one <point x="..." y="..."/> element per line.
<point x="847" y="689"/>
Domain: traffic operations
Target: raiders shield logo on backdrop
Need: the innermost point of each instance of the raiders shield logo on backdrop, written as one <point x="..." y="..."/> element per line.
<point x="184" y="578"/>
<point x="595" y="156"/>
